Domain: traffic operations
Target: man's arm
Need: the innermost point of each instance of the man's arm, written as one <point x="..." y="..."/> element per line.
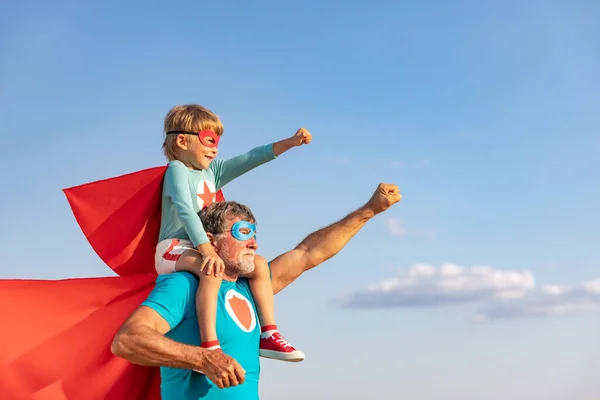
<point x="323" y="244"/>
<point x="141" y="340"/>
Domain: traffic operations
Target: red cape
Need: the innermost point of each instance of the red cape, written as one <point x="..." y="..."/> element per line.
<point x="120" y="217"/>
<point x="57" y="335"/>
<point x="56" y="339"/>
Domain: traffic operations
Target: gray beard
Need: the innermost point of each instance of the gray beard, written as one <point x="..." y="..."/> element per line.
<point x="243" y="265"/>
<point x="240" y="266"/>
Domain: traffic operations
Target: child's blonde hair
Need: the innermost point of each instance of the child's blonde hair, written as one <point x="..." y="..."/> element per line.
<point x="189" y="118"/>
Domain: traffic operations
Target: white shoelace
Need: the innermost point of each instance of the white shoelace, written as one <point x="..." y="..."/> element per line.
<point x="281" y="340"/>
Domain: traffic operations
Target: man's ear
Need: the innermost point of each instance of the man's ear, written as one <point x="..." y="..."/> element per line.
<point x="181" y="142"/>
<point x="211" y="238"/>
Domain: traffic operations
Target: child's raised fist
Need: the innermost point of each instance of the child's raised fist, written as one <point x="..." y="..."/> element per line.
<point x="301" y="137"/>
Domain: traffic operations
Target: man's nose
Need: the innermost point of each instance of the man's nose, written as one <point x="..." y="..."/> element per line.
<point x="251" y="244"/>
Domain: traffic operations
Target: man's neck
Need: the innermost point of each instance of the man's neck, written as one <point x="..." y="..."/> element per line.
<point x="230" y="277"/>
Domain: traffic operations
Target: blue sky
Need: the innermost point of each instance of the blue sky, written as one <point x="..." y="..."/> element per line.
<point x="484" y="113"/>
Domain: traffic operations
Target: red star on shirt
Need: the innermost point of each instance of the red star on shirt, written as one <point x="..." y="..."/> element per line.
<point x="207" y="197"/>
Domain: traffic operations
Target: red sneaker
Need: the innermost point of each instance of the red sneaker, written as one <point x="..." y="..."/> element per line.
<point x="275" y="346"/>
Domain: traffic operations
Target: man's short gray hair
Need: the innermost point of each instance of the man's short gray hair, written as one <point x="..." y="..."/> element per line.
<point x="214" y="217"/>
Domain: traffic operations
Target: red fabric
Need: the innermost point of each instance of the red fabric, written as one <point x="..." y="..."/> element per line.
<point x="56" y="338"/>
<point x="56" y="335"/>
<point x="120" y="217"/>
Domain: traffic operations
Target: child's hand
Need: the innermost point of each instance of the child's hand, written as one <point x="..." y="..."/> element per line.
<point x="212" y="263"/>
<point x="301" y="137"/>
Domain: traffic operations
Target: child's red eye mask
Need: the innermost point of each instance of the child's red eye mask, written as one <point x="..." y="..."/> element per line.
<point x="207" y="138"/>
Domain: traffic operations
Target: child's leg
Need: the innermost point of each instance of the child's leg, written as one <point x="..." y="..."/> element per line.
<point x="272" y="344"/>
<point x="262" y="292"/>
<point x="206" y="297"/>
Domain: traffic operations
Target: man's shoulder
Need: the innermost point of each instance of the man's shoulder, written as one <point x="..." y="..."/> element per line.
<point x="173" y="297"/>
<point x="180" y="279"/>
<point x="185" y="282"/>
<point x="171" y="289"/>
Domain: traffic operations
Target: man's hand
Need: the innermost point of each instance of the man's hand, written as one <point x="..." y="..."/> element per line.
<point x="221" y="369"/>
<point x="384" y="197"/>
<point x="301" y="137"/>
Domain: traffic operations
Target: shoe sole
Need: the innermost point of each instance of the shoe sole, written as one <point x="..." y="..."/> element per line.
<point x="295" y="356"/>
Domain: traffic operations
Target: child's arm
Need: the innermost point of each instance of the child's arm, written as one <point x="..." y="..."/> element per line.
<point x="177" y="188"/>
<point x="301" y="137"/>
<point x="227" y="170"/>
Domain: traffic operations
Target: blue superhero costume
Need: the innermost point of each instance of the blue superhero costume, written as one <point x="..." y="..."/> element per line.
<point x="186" y="192"/>
<point x="238" y="329"/>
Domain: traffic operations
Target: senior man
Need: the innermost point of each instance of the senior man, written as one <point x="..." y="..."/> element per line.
<point x="163" y="331"/>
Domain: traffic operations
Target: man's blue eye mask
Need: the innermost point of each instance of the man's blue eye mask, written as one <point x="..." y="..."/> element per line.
<point x="236" y="230"/>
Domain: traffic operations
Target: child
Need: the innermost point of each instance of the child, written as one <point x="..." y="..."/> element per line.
<point x="192" y="135"/>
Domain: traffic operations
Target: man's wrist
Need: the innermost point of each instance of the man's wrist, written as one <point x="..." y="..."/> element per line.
<point x="367" y="211"/>
<point x="196" y="356"/>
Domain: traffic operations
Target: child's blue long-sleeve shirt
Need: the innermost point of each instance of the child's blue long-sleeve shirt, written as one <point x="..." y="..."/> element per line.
<point x="185" y="192"/>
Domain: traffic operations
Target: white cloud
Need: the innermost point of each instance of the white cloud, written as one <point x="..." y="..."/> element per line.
<point x="547" y="301"/>
<point x="396" y="228"/>
<point x="500" y="293"/>
<point x="425" y="285"/>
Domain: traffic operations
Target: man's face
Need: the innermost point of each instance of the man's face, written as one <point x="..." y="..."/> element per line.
<point x="238" y="255"/>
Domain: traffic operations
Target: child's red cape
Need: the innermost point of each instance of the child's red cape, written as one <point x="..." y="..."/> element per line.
<point x="56" y="335"/>
<point x="120" y="217"/>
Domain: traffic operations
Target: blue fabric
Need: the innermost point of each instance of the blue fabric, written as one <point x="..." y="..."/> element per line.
<point x="183" y="189"/>
<point x="238" y="329"/>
